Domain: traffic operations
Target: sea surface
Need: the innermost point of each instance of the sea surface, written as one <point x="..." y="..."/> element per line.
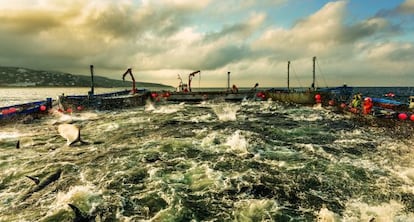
<point x="210" y="161"/>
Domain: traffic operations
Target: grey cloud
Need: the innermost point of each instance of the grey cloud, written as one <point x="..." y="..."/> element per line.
<point x="241" y="30"/>
<point x="406" y="8"/>
<point x="402" y="54"/>
<point x="122" y="21"/>
<point x="362" y="30"/>
<point x="29" y="23"/>
<point x="224" y="56"/>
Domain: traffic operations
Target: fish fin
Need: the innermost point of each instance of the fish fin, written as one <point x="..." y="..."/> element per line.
<point x="80" y="140"/>
<point x="34" y="179"/>
<point x="79" y="216"/>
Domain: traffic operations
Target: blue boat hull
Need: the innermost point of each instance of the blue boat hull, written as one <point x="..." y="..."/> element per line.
<point x="19" y="111"/>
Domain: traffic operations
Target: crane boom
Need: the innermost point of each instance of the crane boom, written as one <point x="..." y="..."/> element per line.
<point x="190" y="76"/>
<point x="129" y="71"/>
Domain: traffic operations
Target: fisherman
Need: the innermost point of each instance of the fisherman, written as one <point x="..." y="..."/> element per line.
<point x="368" y="104"/>
<point x="234" y="89"/>
<point x="356" y="102"/>
<point x="355" y="105"/>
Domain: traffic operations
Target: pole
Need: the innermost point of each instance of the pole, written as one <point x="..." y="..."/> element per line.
<point x="228" y="81"/>
<point x="288" y="76"/>
<point x="92" y="83"/>
<point x="313" y="79"/>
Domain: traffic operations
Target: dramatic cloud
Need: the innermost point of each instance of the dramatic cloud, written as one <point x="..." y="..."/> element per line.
<point x="162" y="38"/>
<point x="320" y="33"/>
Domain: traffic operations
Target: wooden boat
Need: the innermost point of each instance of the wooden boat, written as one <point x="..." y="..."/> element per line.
<point x="185" y="93"/>
<point x="28" y="111"/>
<point x="312" y="95"/>
<point x="389" y="104"/>
<point x="224" y="95"/>
<point x="106" y="101"/>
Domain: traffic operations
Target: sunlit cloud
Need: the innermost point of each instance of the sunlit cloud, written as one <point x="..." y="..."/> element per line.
<point x="162" y="38"/>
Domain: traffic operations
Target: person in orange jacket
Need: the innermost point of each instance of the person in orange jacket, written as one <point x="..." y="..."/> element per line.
<point x="367" y="105"/>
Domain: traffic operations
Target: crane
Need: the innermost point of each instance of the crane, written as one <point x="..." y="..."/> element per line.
<point x="190" y="76"/>
<point x="129" y="71"/>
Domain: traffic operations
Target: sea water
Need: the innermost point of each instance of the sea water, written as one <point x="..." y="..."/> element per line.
<point x="211" y="161"/>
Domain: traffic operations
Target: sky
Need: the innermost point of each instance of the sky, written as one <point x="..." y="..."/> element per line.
<point x="356" y="42"/>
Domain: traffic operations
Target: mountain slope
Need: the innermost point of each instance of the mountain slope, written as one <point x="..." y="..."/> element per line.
<point x="16" y="76"/>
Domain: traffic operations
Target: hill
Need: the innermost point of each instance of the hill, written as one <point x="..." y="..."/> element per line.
<point x="20" y="77"/>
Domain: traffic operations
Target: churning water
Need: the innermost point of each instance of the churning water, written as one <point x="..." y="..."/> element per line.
<point x="246" y="161"/>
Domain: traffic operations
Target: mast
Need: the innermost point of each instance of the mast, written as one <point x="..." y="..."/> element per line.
<point x="288" y="75"/>
<point x="228" y="81"/>
<point x="313" y="79"/>
<point x="92" y="83"/>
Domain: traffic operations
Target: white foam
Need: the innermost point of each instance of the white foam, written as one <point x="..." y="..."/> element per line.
<point x="409" y="173"/>
<point x="325" y="215"/>
<point x="313" y="117"/>
<point x="26" y="142"/>
<point x="108" y="127"/>
<point x="63" y="118"/>
<point x="9" y="135"/>
<point x="203" y="178"/>
<point x="208" y="141"/>
<point x="318" y="106"/>
<point x="237" y="142"/>
<point x="255" y="209"/>
<point x="202" y="118"/>
<point x="168" y="109"/>
<point x="392" y="211"/>
<point x="70" y="118"/>
<point x="77" y="194"/>
<point x="226" y="111"/>
<point x="149" y="106"/>
<point x="307" y="147"/>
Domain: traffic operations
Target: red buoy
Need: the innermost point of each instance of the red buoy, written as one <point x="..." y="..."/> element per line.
<point x="317" y="97"/>
<point x="402" y="116"/>
<point x="42" y="108"/>
<point x="69" y="110"/>
<point x="412" y="117"/>
<point x="79" y="108"/>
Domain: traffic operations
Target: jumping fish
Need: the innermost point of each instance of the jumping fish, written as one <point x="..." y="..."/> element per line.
<point x="71" y="133"/>
<point x="40" y="184"/>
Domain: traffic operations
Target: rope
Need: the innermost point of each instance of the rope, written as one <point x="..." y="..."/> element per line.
<point x="199" y="79"/>
<point x="294" y="73"/>
<point x="323" y="78"/>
